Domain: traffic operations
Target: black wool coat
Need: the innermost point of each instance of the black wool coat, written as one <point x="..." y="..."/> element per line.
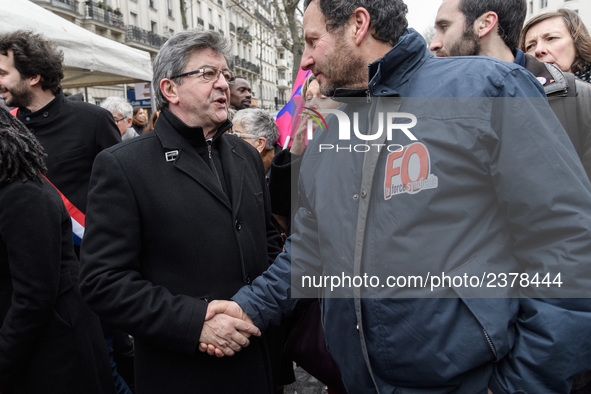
<point x="72" y="134"/>
<point x="163" y="237"/>
<point x="50" y="341"/>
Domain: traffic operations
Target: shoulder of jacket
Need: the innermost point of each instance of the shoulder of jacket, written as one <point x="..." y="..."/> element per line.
<point x="583" y="88"/>
<point x="87" y="109"/>
<point x="468" y="62"/>
<point x="29" y="193"/>
<point x="132" y="145"/>
<point x="239" y="143"/>
<point x="483" y="66"/>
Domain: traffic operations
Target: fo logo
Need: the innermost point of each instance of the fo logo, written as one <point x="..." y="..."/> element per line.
<point x="408" y="171"/>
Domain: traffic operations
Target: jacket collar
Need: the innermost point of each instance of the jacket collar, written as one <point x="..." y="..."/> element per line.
<point x="394" y="69"/>
<point x="188" y="158"/>
<point x="175" y="140"/>
<point x="44" y="114"/>
<point x="550" y="76"/>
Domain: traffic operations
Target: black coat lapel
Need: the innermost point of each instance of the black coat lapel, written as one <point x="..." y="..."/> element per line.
<point x="233" y="163"/>
<point x="187" y="159"/>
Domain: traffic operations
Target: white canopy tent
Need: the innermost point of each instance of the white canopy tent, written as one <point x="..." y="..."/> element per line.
<point x="89" y="59"/>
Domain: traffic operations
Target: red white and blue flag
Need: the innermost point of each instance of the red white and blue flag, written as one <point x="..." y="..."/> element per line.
<point x="285" y="118"/>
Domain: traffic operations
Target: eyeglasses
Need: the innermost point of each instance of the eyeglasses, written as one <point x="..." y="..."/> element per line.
<point x="242" y="135"/>
<point x="210" y="74"/>
<point x="119" y="120"/>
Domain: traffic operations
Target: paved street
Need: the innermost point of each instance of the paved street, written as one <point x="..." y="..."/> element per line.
<point x="305" y="384"/>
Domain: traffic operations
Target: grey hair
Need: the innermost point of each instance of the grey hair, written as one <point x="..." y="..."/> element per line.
<point x="174" y="56"/>
<point x="387" y="17"/>
<point x="118" y="104"/>
<point x="258" y="122"/>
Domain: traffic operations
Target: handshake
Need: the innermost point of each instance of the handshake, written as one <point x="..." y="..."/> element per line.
<point x="226" y="329"/>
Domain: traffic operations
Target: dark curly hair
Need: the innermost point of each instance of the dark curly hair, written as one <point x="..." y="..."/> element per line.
<point x="387" y="17"/>
<point x="21" y="155"/>
<point x="33" y="55"/>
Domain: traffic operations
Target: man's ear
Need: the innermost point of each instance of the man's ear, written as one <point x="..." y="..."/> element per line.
<point x="128" y="122"/>
<point x="260" y="144"/>
<point x="169" y="90"/>
<point x="359" y="20"/>
<point x="486" y="23"/>
<point x="34" y="80"/>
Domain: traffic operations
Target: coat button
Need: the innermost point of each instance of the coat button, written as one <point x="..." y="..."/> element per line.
<point x="363" y="194"/>
<point x="355" y="197"/>
<point x="238" y="225"/>
<point x="45" y="114"/>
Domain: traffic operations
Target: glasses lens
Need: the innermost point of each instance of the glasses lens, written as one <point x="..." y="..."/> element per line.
<point x="211" y="74"/>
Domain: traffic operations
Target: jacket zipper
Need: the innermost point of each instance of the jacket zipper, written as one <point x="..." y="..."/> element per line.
<point x="209" y="150"/>
<point x="490" y="343"/>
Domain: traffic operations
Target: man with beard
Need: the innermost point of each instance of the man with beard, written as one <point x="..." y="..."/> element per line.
<point x="240" y="94"/>
<point x="492" y="28"/>
<point x="71" y="132"/>
<point x="461" y="190"/>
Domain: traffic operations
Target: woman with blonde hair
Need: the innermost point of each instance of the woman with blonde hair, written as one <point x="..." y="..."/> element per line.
<point x="561" y="38"/>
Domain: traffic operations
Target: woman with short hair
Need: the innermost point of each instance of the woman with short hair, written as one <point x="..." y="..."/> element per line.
<point x="561" y="38"/>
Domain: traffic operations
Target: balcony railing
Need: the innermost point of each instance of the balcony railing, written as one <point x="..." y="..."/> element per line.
<point x="282" y="64"/>
<point x="244" y="34"/>
<point x="282" y="83"/>
<point x="70" y="5"/>
<point x="142" y="36"/>
<point x="95" y="12"/>
<point x="263" y="19"/>
<point x="246" y="65"/>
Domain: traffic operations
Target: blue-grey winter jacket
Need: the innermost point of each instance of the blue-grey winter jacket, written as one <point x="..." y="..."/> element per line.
<point x="491" y="185"/>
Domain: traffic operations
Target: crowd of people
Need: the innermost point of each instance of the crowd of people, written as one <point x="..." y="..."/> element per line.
<point x="170" y="253"/>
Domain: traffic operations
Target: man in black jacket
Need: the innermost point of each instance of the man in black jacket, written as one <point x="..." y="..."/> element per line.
<point x="492" y="28"/>
<point x="178" y="217"/>
<point x="71" y="132"/>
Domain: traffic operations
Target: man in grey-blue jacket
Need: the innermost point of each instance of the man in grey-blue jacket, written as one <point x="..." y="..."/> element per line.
<point x="450" y="244"/>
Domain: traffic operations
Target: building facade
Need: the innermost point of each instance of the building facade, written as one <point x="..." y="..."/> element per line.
<point x="249" y="25"/>
<point x="582" y="7"/>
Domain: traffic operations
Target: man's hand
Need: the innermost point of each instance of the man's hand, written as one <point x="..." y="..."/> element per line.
<point x="226" y="329"/>
<point x="229" y="308"/>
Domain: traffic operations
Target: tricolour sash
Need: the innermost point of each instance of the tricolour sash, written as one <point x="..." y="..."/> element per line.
<point x="76" y="216"/>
